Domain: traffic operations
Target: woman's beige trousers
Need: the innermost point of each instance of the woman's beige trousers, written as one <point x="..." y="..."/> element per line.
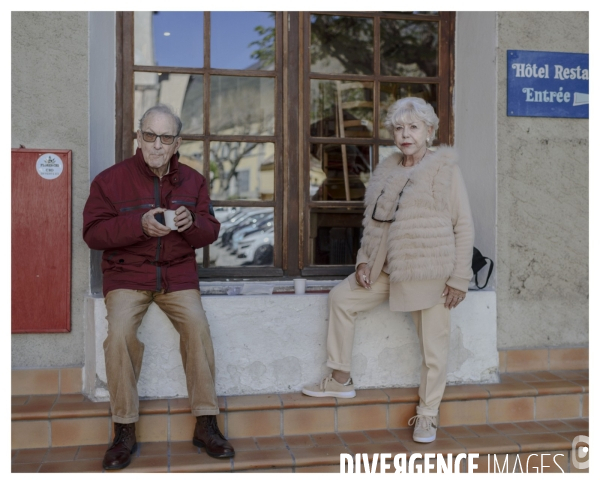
<point x="433" y="328"/>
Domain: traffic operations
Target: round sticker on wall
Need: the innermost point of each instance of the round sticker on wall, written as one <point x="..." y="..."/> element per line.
<point x="49" y="166"/>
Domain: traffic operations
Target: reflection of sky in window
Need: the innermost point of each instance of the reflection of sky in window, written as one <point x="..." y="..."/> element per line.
<point x="232" y="34"/>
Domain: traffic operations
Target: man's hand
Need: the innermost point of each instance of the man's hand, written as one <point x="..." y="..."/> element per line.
<point x="183" y="219"/>
<point x="453" y="297"/>
<point x="151" y="227"/>
<point x="363" y="276"/>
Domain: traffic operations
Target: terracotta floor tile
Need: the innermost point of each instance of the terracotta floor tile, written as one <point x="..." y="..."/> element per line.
<point x="365" y="397"/>
<point x="577" y="423"/>
<point x="312" y="456"/>
<point x="402" y="395"/>
<point x="13" y="453"/>
<point x="153" y="448"/>
<point x="274" y="470"/>
<point x="556" y="425"/>
<point x="379" y="448"/>
<point x="71" y="398"/>
<point x="80" y="409"/>
<point x="569" y="359"/>
<point x="308" y="420"/>
<point x="547" y="375"/>
<point x="585" y="407"/>
<point x="508" y="428"/>
<point x="569" y="436"/>
<point x="147" y="463"/>
<point x="30" y="434"/>
<point x="493" y="444"/>
<point x="457" y="431"/>
<point x="152" y="428"/>
<point x="71" y="380"/>
<point x="91" y="452"/>
<point x="568" y="374"/>
<point x="151" y="407"/>
<point x="319" y="469"/>
<point x="61" y="453"/>
<point x="552" y="462"/>
<point x="403" y="434"/>
<point x="400" y="414"/>
<point x="243" y="443"/>
<point x="526" y="377"/>
<point x="532" y="427"/>
<point x="438" y="446"/>
<point x="295" y="441"/>
<point x="465" y="392"/>
<point x="260" y="459"/>
<point x="557" y="406"/>
<point x="538" y="442"/>
<point x="510" y="389"/>
<point x="182" y="425"/>
<point x="91" y="465"/>
<point x="382" y="435"/>
<point x="18" y="399"/>
<point x="274" y="442"/>
<point x="555" y="387"/>
<point x="28" y="382"/>
<point x="183" y="447"/>
<point x="510" y="409"/>
<point x="27" y="456"/>
<point x="526" y="360"/>
<point x="179" y="405"/>
<point x="254" y="402"/>
<point x="471" y="412"/>
<point x="26" y="468"/>
<point x="506" y="378"/>
<point x="254" y="423"/>
<point x="496" y="462"/>
<point x="583" y="383"/>
<point x="483" y="430"/>
<point x="354" y="438"/>
<point x="80" y="431"/>
<point x="326" y="440"/>
<point x="362" y="417"/>
<point x="37" y="407"/>
<point x="299" y="400"/>
<point x="501" y="361"/>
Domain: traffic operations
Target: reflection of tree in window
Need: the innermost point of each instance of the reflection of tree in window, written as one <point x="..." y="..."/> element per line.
<point x="409" y="48"/>
<point x="265" y="46"/>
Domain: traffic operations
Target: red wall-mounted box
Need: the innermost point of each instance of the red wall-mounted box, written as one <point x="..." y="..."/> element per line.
<point x="41" y="241"/>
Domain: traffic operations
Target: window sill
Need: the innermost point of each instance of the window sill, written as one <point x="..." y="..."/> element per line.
<point x="220" y="288"/>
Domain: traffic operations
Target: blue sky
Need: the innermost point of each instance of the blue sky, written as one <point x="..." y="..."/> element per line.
<point x="232" y="32"/>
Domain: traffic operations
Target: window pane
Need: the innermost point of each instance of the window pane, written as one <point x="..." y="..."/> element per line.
<point x="241" y="170"/>
<point x="242" y="40"/>
<point x="246" y="237"/>
<point x="409" y="48"/>
<point x="169" y="39"/>
<point x="171" y="89"/>
<point x="392" y="91"/>
<point x="191" y="154"/>
<point x="327" y="180"/>
<point x="385" y="151"/>
<point x="356" y="100"/>
<point x="341" y="45"/>
<point x="335" y="235"/>
<point x="242" y="105"/>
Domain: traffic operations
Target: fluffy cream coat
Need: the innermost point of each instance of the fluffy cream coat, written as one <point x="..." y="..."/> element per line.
<point x="421" y="244"/>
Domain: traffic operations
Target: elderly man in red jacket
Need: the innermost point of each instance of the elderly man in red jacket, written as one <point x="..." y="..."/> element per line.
<point x="143" y="262"/>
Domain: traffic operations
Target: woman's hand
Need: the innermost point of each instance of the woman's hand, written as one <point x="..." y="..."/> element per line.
<point x="453" y="297"/>
<point x="363" y="276"/>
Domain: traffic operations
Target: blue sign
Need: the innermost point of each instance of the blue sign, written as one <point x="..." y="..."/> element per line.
<point x="548" y="84"/>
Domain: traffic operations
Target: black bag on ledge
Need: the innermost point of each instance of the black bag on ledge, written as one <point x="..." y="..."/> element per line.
<point x="479" y="262"/>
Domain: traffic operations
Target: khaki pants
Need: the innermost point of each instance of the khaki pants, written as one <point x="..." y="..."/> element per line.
<point x="433" y="328"/>
<point x="123" y="351"/>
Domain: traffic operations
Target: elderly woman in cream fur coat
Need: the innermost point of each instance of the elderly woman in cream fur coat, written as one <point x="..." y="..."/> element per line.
<point x="416" y="250"/>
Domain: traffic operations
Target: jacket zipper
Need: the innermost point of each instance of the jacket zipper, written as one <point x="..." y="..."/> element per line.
<point x="158" y="242"/>
<point x="129" y="209"/>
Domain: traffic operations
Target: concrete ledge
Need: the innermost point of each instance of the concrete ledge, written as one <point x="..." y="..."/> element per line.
<point x="276" y="344"/>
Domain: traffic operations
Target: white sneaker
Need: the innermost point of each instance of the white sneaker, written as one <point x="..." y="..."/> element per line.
<point x="425" y="428"/>
<point x="329" y="387"/>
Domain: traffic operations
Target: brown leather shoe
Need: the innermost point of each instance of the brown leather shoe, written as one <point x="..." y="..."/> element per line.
<point x="207" y="434"/>
<point x="118" y="455"/>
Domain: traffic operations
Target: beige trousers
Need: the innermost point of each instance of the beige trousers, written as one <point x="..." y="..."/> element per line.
<point x="433" y="328"/>
<point x="123" y="351"/>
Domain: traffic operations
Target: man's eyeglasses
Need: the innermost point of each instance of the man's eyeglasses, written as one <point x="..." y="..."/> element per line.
<point x="165" y="139"/>
<point x="397" y="206"/>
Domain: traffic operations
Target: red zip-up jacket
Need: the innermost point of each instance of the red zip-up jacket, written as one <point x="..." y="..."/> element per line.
<point x="119" y="196"/>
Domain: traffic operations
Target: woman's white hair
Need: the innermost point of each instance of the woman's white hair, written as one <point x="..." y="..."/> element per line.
<point x="411" y="109"/>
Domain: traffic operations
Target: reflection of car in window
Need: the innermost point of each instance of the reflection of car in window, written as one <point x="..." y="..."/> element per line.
<point x="262" y="225"/>
<point x="257" y="248"/>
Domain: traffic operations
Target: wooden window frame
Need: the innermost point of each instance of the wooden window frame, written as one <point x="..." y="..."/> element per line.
<point x="291" y="137"/>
